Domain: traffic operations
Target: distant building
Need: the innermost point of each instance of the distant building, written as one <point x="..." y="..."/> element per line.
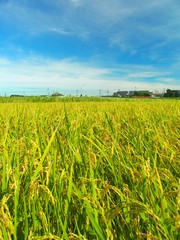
<point x="157" y="95"/>
<point x="131" y="93"/>
<point x="121" y="94"/>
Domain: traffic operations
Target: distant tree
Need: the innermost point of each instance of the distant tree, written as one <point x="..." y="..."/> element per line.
<point x="146" y="94"/>
<point x="168" y="93"/>
<point x="137" y="93"/>
<point x="56" y="94"/>
<point x="172" y="93"/>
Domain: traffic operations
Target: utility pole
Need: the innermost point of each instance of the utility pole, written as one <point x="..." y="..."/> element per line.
<point x="100" y="92"/>
<point x="163" y="92"/>
<point x="48" y="91"/>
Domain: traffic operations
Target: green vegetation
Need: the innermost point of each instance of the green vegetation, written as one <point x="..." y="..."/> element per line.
<point x="90" y="170"/>
<point x="141" y="94"/>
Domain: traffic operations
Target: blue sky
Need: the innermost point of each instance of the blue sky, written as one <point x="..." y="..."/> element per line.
<point x="90" y="44"/>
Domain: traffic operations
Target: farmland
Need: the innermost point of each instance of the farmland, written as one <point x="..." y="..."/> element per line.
<point x="90" y="170"/>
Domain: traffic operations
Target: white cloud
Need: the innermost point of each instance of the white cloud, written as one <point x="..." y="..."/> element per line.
<point x="69" y="74"/>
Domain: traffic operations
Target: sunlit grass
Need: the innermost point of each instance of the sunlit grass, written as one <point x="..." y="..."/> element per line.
<point x="90" y="170"/>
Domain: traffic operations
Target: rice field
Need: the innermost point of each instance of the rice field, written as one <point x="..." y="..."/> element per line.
<point x="90" y="170"/>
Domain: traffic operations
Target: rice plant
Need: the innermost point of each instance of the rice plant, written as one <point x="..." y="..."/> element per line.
<point x="90" y="170"/>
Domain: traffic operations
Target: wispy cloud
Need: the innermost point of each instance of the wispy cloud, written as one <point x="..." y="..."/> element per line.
<point x="59" y="30"/>
<point x="135" y="23"/>
<point x="147" y="74"/>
